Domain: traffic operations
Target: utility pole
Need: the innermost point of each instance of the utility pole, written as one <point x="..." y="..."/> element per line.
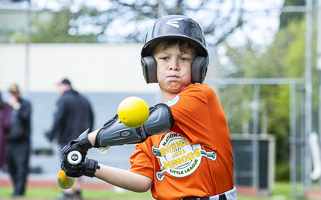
<point x="308" y="91"/>
<point x="308" y="8"/>
<point x="160" y="9"/>
<point x="319" y="68"/>
<point x="27" y="59"/>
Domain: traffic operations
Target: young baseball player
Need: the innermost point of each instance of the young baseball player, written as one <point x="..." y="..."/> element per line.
<point x="184" y="150"/>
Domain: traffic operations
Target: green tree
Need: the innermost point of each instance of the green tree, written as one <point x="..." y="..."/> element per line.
<point x="288" y="17"/>
<point x="136" y="15"/>
<point x="284" y="58"/>
<point x="55" y="28"/>
<point x="127" y="21"/>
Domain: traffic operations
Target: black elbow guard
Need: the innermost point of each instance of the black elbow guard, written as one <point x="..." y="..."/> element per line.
<point x="115" y="132"/>
<point x="159" y="121"/>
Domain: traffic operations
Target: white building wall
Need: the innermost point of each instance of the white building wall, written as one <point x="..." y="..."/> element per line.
<point x="90" y="67"/>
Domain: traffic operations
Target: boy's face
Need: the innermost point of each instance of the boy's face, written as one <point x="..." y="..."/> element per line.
<point x="173" y="67"/>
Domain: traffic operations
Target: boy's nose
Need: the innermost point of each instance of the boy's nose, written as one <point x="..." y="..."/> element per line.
<point x="174" y="65"/>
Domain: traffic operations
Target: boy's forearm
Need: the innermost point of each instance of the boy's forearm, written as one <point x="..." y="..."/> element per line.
<point x="92" y="137"/>
<point x="124" y="178"/>
<point x="119" y="177"/>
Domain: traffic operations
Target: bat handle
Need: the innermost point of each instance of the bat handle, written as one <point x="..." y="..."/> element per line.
<point x="74" y="157"/>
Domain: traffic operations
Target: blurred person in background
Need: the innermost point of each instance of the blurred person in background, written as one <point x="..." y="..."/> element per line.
<point x="5" y="127"/>
<point x="73" y="116"/>
<point x="18" y="141"/>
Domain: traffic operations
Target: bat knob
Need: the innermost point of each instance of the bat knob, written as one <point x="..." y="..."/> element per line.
<point x="74" y="157"/>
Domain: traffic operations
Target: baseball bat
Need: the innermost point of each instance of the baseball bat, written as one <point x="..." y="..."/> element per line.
<point x="74" y="157"/>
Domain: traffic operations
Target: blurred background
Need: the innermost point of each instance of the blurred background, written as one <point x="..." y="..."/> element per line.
<point x="264" y="65"/>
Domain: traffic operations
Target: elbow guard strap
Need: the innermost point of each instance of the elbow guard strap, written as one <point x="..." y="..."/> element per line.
<point x="114" y="132"/>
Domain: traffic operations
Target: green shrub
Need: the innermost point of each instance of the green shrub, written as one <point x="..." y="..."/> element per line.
<point x="282" y="172"/>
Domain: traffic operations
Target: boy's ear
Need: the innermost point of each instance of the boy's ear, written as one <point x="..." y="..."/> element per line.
<point x="149" y="69"/>
<point x="199" y="69"/>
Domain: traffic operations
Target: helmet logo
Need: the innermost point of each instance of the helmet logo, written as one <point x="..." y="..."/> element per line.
<point x="174" y="22"/>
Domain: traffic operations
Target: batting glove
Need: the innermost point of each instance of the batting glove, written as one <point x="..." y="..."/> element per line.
<point x="86" y="168"/>
<point x="81" y="144"/>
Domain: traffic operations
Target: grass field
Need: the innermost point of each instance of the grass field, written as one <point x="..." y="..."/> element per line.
<point x="281" y="192"/>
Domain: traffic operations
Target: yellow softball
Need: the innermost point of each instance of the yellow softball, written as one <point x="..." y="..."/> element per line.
<point x="133" y="112"/>
<point x="64" y="181"/>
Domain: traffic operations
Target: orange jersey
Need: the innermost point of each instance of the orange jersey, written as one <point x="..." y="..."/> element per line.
<point x="194" y="158"/>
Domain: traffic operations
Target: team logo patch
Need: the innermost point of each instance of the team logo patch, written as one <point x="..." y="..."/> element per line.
<point x="172" y="101"/>
<point x="178" y="157"/>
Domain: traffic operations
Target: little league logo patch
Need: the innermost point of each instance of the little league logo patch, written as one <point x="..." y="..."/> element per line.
<point x="172" y="101"/>
<point x="178" y="157"/>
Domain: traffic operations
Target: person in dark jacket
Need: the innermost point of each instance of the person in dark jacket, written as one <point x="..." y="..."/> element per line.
<point x="5" y="127"/>
<point x="73" y="116"/>
<point x="18" y="141"/>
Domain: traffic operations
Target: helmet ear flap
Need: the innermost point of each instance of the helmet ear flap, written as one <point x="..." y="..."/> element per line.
<point x="199" y="69"/>
<point x="149" y="69"/>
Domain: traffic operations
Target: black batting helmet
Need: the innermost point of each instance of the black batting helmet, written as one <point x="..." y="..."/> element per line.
<point x="175" y="27"/>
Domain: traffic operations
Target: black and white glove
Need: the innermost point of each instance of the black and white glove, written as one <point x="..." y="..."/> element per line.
<point x="80" y="146"/>
<point x="87" y="167"/>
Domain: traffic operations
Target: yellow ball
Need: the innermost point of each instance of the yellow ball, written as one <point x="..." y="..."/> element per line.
<point x="133" y="112"/>
<point x="64" y="181"/>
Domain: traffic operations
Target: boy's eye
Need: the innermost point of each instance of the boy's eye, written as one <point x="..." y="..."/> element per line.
<point x="164" y="58"/>
<point x="185" y="59"/>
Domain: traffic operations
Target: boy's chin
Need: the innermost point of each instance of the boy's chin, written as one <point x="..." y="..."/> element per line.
<point x="174" y="88"/>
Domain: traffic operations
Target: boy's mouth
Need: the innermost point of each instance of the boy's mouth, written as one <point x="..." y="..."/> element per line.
<point x="172" y="76"/>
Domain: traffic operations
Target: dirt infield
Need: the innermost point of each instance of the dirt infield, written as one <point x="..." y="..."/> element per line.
<point x="31" y="183"/>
